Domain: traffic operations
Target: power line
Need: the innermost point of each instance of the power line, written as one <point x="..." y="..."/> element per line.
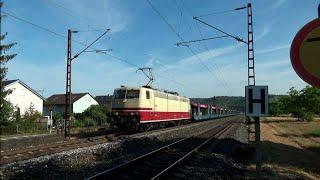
<point x="199" y="40"/>
<point x="70" y="12"/>
<point x="223" y="81"/>
<point x="33" y="24"/>
<point x="204" y="44"/>
<point x="178" y="35"/>
<point x="43" y="28"/>
<point x="222" y="12"/>
<point x="83" y="44"/>
<point x="164" y="77"/>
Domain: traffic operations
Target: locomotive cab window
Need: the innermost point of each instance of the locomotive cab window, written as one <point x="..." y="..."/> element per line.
<point x="148" y="94"/>
<point x="120" y="94"/>
<point x="126" y="94"/>
<point x="132" y="94"/>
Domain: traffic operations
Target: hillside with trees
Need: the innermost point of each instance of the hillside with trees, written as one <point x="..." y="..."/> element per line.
<point x="231" y="102"/>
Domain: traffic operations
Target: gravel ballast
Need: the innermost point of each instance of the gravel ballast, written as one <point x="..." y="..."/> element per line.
<point x="84" y="162"/>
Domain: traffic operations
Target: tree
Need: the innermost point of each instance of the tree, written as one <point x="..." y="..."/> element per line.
<point x="293" y="102"/>
<point x="276" y="108"/>
<point x="310" y="99"/>
<point x="5" y="107"/>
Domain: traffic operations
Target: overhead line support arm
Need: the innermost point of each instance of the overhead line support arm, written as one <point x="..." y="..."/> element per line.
<point x="204" y="39"/>
<point x="75" y="56"/>
<point x="234" y="37"/>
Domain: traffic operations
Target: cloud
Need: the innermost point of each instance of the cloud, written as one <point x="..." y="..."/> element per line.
<point x="272" y="49"/>
<point x="106" y="14"/>
<point x="203" y="56"/>
<point x="265" y="31"/>
<point x="277" y="4"/>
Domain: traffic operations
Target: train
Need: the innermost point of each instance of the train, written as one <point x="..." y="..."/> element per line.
<point x="143" y="108"/>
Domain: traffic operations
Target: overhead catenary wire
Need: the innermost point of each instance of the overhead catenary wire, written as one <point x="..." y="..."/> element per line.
<point x="179" y="36"/>
<point x="41" y="27"/>
<point x="203" y="39"/>
<point x="159" y="75"/>
<point x="72" y="13"/>
<point x="199" y="31"/>
<point x="84" y="44"/>
<point x="223" y="81"/>
<point x="33" y="24"/>
<point x="221" y="12"/>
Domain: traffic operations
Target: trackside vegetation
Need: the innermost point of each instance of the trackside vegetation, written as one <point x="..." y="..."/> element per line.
<point x="303" y="104"/>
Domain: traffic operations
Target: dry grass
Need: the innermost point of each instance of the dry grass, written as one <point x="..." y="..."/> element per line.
<point x="291" y="149"/>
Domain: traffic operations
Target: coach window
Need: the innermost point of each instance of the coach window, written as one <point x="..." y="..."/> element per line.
<point x="148" y="94"/>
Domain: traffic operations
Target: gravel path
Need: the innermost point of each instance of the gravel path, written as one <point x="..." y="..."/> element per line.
<point x="83" y="162"/>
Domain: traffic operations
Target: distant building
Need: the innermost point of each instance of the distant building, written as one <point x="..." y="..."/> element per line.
<point x="22" y="96"/>
<point x="57" y="103"/>
<point x="104" y="101"/>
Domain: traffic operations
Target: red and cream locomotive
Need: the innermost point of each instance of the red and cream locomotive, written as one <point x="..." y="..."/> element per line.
<point x="136" y="106"/>
<point x="144" y="107"/>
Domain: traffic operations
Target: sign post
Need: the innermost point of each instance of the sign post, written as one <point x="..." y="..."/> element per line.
<point x="257" y="101"/>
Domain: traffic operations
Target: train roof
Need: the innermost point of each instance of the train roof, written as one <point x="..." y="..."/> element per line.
<point x="149" y="87"/>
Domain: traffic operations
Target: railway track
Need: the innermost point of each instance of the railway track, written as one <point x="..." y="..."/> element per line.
<point x="160" y="162"/>
<point x="16" y="155"/>
<point x="34" y="152"/>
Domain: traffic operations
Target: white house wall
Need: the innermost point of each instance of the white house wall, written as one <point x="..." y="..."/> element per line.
<point x="83" y="103"/>
<point x="23" y="98"/>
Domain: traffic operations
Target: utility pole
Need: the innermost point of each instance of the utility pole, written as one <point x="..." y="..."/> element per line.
<point x="68" y="110"/>
<point x="251" y="70"/>
<point x="252" y="82"/>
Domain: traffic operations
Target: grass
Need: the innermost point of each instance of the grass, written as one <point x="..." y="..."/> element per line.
<point x="314" y="133"/>
<point x="291" y="148"/>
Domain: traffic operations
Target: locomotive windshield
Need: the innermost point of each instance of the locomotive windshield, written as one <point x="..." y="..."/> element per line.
<point x="126" y="94"/>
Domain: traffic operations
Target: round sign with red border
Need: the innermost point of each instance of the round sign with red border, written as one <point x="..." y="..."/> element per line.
<point x="305" y="53"/>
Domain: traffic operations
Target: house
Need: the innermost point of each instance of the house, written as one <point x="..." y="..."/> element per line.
<point x="22" y="96"/>
<point x="104" y="101"/>
<point x="57" y="103"/>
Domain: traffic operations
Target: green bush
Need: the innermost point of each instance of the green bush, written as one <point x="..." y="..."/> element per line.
<point x="93" y="116"/>
<point x="308" y="116"/>
<point x="89" y="122"/>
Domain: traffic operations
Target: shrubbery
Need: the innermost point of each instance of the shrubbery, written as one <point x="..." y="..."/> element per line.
<point x="93" y="116"/>
<point x="27" y="124"/>
<point x="304" y="104"/>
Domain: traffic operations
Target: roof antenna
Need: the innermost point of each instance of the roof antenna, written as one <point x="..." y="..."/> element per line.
<point x="147" y="72"/>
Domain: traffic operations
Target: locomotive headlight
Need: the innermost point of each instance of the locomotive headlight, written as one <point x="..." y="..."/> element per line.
<point x="116" y="113"/>
<point x="132" y="113"/>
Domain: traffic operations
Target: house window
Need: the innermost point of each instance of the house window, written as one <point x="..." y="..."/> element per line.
<point x="148" y="94"/>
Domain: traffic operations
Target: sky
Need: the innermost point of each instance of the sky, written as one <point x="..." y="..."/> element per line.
<point x="142" y="36"/>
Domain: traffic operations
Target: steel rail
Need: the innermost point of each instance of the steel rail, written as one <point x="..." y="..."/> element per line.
<point x="175" y="164"/>
<point x="34" y="152"/>
<point x="113" y="171"/>
<point x="119" y="167"/>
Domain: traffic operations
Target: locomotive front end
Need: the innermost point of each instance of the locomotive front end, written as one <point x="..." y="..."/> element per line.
<point x="125" y="107"/>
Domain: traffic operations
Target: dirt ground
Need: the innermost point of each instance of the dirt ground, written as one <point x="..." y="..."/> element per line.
<point x="291" y="149"/>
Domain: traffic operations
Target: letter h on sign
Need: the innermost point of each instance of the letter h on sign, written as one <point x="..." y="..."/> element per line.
<point x="257" y="101"/>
